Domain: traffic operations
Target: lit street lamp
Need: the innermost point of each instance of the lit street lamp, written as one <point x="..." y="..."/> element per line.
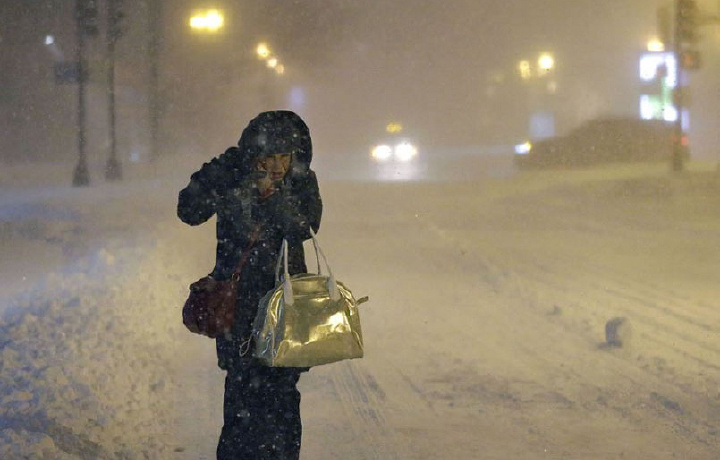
<point x="207" y="21"/>
<point x="655" y="45"/>
<point x="262" y="51"/>
<point x="546" y="62"/>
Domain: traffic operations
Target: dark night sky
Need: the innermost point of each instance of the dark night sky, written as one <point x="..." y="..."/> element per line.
<point x="362" y="63"/>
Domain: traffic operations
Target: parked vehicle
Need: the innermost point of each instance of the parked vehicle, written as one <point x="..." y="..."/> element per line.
<point x="606" y="140"/>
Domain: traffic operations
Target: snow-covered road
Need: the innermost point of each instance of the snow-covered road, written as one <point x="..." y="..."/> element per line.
<point x="484" y="330"/>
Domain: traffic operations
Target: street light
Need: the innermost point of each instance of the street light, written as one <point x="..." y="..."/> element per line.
<point x="207" y="21"/>
<point x="263" y="51"/>
<point x="655" y="45"/>
<point x="546" y="62"/>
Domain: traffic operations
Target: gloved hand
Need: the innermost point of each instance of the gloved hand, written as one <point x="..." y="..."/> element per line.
<point x="242" y="165"/>
<point x="231" y="169"/>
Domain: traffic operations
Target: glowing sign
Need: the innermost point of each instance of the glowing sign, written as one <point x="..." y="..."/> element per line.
<point x="670" y="113"/>
<point x="657" y="104"/>
<point x="657" y="64"/>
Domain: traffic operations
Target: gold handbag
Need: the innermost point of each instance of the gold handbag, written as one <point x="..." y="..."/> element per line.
<point x="308" y="319"/>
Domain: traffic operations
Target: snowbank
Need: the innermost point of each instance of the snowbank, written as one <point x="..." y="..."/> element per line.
<point x="85" y="352"/>
<point x="84" y="369"/>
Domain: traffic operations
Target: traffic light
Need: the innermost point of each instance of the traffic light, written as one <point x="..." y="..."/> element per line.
<point x="87" y="16"/>
<point x="116" y="18"/>
<point x="687" y="21"/>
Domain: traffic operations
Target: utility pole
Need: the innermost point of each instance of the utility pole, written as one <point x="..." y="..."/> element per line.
<point x="155" y="36"/>
<point x="113" y="169"/>
<point x="86" y="24"/>
<point x="687" y="57"/>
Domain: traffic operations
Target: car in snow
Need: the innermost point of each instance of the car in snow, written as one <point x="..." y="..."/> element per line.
<point x="395" y="156"/>
<point x="600" y="141"/>
<point x="394" y="149"/>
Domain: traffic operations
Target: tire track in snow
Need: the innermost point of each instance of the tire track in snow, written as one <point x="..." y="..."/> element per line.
<point x="531" y="268"/>
<point x="668" y="326"/>
<point x="667" y="321"/>
<point x="361" y="394"/>
<point x="64" y="438"/>
<point x="649" y="294"/>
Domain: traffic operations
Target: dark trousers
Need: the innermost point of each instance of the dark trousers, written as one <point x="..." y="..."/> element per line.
<point x="261" y="414"/>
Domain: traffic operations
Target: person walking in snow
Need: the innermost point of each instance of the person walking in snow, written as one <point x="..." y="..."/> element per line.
<point x="261" y="191"/>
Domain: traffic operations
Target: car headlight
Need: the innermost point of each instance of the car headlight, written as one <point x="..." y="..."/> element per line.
<point x="405" y="151"/>
<point x="523" y="149"/>
<point x="381" y="152"/>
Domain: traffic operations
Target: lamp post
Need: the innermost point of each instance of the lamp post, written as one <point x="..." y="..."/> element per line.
<point x="113" y="169"/>
<point x="87" y="24"/>
<point x="154" y="25"/>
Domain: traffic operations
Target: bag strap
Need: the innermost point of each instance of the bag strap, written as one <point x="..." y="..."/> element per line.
<point x="245" y="256"/>
<point x="332" y="284"/>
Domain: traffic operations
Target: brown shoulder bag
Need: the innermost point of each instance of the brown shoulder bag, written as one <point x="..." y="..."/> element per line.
<point x="210" y="308"/>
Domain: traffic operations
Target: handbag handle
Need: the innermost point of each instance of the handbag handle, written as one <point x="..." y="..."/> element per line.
<point x="287" y="285"/>
<point x="331" y="283"/>
<point x="317" y="258"/>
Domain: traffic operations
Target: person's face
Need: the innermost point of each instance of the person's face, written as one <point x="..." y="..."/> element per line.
<point x="275" y="165"/>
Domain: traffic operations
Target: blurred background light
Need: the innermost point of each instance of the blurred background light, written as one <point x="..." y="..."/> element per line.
<point x="405" y="151"/>
<point x="381" y="152"/>
<point x="208" y="21"/>
<point x="263" y="51"/>
<point x="546" y="62"/>
<point x="655" y="45"/>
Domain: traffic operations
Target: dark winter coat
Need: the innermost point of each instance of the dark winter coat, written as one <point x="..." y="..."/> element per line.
<point x="226" y="187"/>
